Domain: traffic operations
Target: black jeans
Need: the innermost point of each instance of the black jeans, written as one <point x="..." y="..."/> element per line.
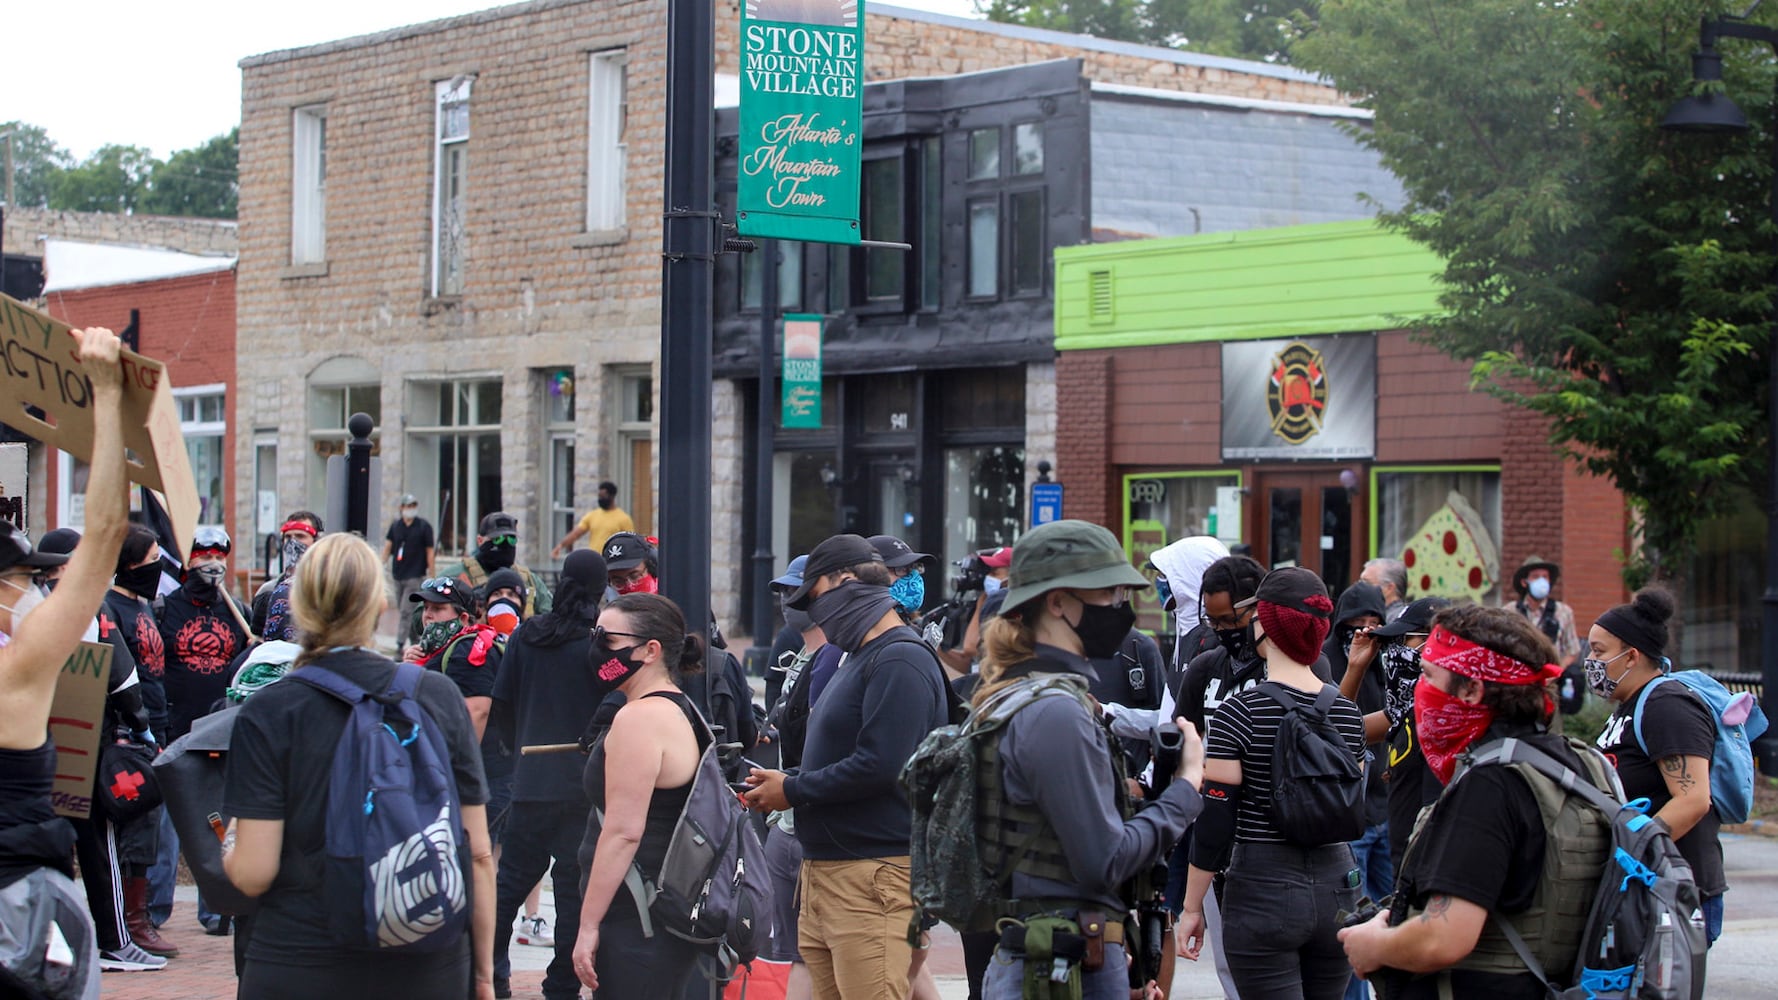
<point x="1279" y="920"/>
<point x="633" y="967"/>
<point x="431" y="976"/>
<point x="536" y="833"/>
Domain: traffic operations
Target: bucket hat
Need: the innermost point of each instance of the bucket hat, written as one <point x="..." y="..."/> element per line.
<point x="1069" y="554"/>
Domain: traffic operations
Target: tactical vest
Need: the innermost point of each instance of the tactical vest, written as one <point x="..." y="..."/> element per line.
<point x="1015" y="837"/>
<point x="1576" y="848"/>
<point x="476" y="575"/>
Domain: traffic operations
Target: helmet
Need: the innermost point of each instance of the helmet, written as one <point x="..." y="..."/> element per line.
<point x="211" y="540"/>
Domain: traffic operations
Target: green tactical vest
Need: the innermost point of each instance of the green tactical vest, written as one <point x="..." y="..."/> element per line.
<point x="1015" y="837"/>
<point x="1576" y="848"/>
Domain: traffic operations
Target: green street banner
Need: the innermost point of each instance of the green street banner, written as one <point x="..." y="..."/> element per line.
<point x="802" y="372"/>
<point x="802" y="105"/>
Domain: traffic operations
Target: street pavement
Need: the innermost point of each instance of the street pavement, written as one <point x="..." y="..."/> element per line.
<point x="1743" y="965"/>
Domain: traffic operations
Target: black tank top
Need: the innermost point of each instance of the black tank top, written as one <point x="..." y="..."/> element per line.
<point x="664" y="807"/>
<point x="31" y="834"/>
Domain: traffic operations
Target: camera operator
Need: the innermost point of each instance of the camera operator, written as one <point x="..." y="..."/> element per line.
<point x="985" y="571"/>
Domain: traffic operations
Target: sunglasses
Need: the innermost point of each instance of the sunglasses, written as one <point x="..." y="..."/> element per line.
<point x="600" y="632"/>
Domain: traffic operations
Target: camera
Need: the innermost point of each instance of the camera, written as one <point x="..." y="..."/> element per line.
<point x="972" y="573"/>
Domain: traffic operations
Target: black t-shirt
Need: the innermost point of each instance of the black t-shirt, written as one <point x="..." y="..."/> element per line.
<point x="408" y="544"/>
<point x="478" y="682"/>
<point x="279" y="765"/>
<point x="545" y="694"/>
<point x="1211" y="679"/>
<point x="1675" y="722"/>
<point x="200" y="640"/>
<point x="1483" y="844"/>
<point x="135" y="619"/>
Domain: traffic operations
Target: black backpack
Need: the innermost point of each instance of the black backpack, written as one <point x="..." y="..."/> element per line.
<point x="1317" y="785"/>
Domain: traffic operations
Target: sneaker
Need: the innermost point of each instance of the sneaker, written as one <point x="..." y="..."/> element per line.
<point x="130" y="958"/>
<point x="535" y="931"/>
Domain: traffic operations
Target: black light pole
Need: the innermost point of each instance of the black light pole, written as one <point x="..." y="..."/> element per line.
<point x="689" y="255"/>
<point x="766" y="417"/>
<point x="1715" y="113"/>
<point x="358" y="474"/>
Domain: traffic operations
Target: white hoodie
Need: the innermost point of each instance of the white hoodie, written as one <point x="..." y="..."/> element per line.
<point x="1183" y="564"/>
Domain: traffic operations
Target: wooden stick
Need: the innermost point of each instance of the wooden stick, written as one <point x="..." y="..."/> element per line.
<point x="548" y="748"/>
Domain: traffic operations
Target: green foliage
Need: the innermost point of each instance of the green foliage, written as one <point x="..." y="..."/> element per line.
<point x="1606" y="274"/>
<point x="202" y="181"/>
<point x="113" y="179"/>
<point x="36" y="160"/>
<point x="1247" y="29"/>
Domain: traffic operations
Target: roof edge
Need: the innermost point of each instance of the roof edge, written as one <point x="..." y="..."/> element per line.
<point x="404" y="32"/>
<point x="1116" y="90"/>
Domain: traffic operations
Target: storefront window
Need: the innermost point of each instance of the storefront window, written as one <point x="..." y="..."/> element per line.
<point x="984" y="498"/>
<point x="1720" y="601"/>
<point x="457" y="459"/>
<point x="802" y="504"/>
<point x="1443" y="523"/>
<point x="202" y="422"/>
<point x="329" y="408"/>
<point x="1163" y="508"/>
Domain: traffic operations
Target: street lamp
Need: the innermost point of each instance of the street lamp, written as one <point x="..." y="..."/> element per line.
<point x="1714" y="113"/>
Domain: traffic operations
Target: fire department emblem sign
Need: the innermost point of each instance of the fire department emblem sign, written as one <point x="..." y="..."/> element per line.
<point x="1296" y="392"/>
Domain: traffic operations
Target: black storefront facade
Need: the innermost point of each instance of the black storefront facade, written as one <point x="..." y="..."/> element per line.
<point x="938" y="363"/>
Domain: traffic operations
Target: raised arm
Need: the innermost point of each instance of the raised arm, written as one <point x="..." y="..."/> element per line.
<point x="30" y="664"/>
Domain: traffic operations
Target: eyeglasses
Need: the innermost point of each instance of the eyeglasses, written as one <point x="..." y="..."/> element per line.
<point x="1226" y="623"/>
<point x="600" y="632"/>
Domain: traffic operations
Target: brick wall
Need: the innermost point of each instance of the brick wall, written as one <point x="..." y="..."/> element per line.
<point x="1595" y="534"/>
<point x="1083" y="436"/>
<point x="1166" y="405"/>
<point x="1532" y="477"/>
<point x="26" y="228"/>
<point x="1426" y="411"/>
<point x="188" y="323"/>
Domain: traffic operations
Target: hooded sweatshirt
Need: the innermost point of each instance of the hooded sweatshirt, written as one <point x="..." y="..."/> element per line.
<point x="1363" y="599"/>
<point x="1183" y="564"/>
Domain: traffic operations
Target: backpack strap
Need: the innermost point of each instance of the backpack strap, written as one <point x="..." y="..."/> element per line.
<point x="1323" y="701"/>
<point x="1641" y="703"/>
<point x="637" y="883"/>
<point x="322" y="679"/>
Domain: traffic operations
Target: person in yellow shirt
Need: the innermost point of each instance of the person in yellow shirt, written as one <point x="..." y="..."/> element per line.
<point x="598" y="524"/>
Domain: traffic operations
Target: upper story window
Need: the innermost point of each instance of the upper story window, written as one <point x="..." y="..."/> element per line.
<point x="308" y="185"/>
<point x="607" y="125"/>
<point x="451" y="162"/>
<point x="884" y="269"/>
<point x="900" y="203"/>
<point x="790" y="276"/>
<point x="1007" y="213"/>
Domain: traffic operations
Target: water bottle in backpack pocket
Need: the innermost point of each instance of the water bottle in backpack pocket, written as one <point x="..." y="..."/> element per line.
<point x="396" y="874"/>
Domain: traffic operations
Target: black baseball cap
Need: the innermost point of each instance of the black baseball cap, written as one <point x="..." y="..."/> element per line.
<point x="498" y="523"/>
<point x="444" y="590"/>
<point x="1416" y="617"/>
<point x="58" y="541"/>
<point x="1292" y="587"/>
<point x="16" y="550"/>
<point x="898" y="554"/>
<point x="626" y="550"/>
<point x="833" y="554"/>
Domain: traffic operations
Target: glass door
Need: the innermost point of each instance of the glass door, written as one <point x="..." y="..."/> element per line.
<point x="894" y="499"/>
<point x="1308" y="519"/>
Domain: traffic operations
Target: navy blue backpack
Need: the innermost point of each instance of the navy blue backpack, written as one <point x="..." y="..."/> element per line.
<point x="396" y="850"/>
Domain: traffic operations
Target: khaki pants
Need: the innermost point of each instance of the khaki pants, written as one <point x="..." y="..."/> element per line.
<point x="853" y="928"/>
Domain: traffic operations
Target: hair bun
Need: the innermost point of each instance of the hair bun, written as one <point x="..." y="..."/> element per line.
<point x="1655" y="604"/>
<point x="692" y="652"/>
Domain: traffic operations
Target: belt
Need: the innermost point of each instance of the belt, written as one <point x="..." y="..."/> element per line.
<point x="1012" y="936"/>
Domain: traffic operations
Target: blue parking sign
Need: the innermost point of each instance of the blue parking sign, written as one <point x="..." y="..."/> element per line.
<point x="1046" y="503"/>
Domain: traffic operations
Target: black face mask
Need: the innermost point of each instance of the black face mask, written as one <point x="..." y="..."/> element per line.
<point x="1103" y="627"/>
<point x="798" y="620"/>
<point x="847" y="612"/>
<point x="1239" y="642"/>
<point x="144" y="581"/>
<point x="605" y="502"/>
<point x="493" y="557"/>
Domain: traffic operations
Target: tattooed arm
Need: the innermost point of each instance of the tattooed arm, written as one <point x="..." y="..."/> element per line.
<point x="1688" y="781"/>
<point x="1435" y="939"/>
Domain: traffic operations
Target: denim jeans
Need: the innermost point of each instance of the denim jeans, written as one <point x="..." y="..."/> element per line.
<point x="1006" y="977"/>
<point x="1713" y="917"/>
<point x="1371" y="853"/>
<point x="1279" y="920"/>
<point x="161" y="874"/>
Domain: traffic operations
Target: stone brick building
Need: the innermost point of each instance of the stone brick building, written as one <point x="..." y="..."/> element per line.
<point x="454" y="226"/>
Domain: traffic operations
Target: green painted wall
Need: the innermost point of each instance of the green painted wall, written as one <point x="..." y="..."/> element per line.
<point x="1340" y="277"/>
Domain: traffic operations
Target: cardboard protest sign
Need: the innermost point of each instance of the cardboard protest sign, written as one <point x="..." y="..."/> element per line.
<point x="74" y="718"/>
<point x="40" y="367"/>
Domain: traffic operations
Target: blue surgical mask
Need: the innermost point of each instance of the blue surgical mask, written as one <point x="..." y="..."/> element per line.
<point x="1539" y="588"/>
<point x="909" y="591"/>
<point x="992" y="584"/>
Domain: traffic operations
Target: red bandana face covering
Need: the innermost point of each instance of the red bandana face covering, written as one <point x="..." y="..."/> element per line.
<point x="1446" y="725"/>
<point x="647" y="585"/>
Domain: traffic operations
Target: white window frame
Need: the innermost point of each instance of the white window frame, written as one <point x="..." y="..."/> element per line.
<point x="447" y="92"/>
<point x="421" y="465"/>
<point x="558" y="435"/>
<point x="607" y="124"/>
<point x="217" y="429"/>
<point x="308" y="185"/>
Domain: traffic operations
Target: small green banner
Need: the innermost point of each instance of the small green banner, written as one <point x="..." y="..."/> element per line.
<point x="802" y="106"/>
<point x="802" y="372"/>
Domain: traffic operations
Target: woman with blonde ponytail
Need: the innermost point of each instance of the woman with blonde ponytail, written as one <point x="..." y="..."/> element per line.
<point x="276" y="786"/>
<point x="1056" y="813"/>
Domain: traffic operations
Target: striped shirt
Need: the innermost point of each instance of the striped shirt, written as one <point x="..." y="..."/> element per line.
<point x="1244" y="729"/>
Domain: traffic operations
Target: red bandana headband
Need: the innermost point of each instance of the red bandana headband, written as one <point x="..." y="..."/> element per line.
<point x="1460" y="656"/>
<point x="302" y="526"/>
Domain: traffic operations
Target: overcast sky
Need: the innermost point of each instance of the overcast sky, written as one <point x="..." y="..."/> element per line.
<point x="164" y="75"/>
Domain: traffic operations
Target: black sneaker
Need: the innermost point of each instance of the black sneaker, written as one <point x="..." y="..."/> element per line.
<point x="502" y="989"/>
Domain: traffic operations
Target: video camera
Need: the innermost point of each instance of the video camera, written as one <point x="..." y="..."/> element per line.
<point x="943" y="626"/>
<point x="972" y="572"/>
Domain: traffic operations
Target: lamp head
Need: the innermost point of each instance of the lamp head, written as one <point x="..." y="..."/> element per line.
<point x="1708" y="113"/>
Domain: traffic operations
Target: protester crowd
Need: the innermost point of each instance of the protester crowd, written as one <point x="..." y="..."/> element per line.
<point x="1320" y="793"/>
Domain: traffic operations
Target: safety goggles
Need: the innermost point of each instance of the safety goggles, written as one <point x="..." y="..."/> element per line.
<point x="503" y="540"/>
<point x="210" y="538"/>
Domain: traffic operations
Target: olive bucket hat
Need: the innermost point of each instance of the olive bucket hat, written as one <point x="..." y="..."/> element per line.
<point x="1078" y="555"/>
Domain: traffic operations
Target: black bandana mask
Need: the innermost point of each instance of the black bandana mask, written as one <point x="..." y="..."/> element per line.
<point x="493" y="557"/>
<point x="847" y="612"/>
<point x="1239" y="643"/>
<point x="143" y="581"/>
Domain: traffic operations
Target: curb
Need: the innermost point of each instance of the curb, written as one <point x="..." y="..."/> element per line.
<point x="1756" y="828"/>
